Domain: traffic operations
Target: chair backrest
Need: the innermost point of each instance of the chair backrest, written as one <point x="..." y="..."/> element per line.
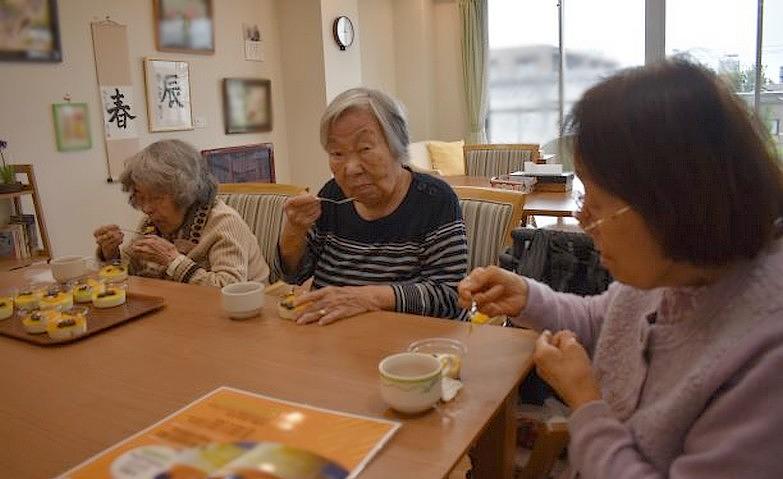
<point x="261" y="188"/>
<point x="498" y="159"/>
<point x="261" y="206"/>
<point x="490" y="215"/>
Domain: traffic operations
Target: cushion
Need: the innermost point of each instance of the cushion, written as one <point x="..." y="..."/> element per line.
<point x="418" y="156"/>
<point x="447" y="157"/>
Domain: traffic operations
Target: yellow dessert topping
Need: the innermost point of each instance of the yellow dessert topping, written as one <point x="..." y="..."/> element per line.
<point x="479" y="318"/>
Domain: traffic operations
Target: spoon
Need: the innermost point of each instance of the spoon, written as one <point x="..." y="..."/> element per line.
<point x="337" y="202"/>
<point x="472" y="312"/>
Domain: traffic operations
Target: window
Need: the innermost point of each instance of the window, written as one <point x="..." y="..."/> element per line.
<point x="523" y="71"/>
<point x="600" y="37"/>
<point x="591" y="32"/>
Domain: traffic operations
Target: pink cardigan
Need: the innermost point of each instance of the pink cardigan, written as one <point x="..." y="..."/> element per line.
<point x="692" y="386"/>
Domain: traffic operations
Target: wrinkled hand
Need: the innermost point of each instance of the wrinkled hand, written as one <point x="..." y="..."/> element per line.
<point x="155" y="249"/>
<point x="563" y="363"/>
<point x="109" y="238"/>
<point x="332" y="303"/>
<point x="301" y="211"/>
<point x="495" y="291"/>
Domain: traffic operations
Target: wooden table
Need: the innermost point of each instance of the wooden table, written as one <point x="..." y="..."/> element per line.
<point x="61" y="405"/>
<point x="536" y="203"/>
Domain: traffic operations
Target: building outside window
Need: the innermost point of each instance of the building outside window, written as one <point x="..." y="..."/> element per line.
<point x="600" y="37"/>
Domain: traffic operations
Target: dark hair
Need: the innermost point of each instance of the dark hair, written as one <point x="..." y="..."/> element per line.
<point x="677" y="145"/>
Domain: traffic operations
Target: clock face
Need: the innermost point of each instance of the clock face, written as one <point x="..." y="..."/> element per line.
<point x="343" y="32"/>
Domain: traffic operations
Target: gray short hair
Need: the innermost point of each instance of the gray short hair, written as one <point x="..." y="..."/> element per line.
<point x="388" y="111"/>
<point x="173" y="167"/>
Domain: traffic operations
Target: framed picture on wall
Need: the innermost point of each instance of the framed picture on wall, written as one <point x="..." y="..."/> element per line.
<point x="242" y="164"/>
<point x="247" y="105"/>
<point x="168" y="95"/>
<point x="71" y="126"/>
<point x="29" y="31"/>
<point x="184" y="26"/>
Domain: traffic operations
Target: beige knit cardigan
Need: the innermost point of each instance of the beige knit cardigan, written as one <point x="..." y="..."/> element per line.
<point x="227" y="252"/>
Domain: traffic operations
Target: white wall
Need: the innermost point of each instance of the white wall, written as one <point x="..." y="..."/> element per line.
<point x="315" y="70"/>
<point x="343" y="68"/>
<point x="376" y="20"/>
<point x="449" y="121"/>
<point x="73" y="188"/>
<point x="305" y="93"/>
<point x="411" y="49"/>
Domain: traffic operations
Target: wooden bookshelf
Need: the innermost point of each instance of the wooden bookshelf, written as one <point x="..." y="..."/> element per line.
<point x="29" y="188"/>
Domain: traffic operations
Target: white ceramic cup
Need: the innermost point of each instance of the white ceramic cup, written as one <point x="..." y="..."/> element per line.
<point x="243" y="300"/>
<point x="410" y="382"/>
<point x="66" y="268"/>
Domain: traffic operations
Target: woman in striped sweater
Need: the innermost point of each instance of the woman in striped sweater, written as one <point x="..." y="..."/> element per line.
<point x="400" y="243"/>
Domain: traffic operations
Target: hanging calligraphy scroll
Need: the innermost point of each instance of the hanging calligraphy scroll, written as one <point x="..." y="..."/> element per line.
<point x="112" y="65"/>
<point x="168" y="94"/>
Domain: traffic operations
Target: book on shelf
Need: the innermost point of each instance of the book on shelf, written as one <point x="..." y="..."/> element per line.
<point x="13" y="242"/>
<point x="235" y="433"/>
<point x="28" y="221"/>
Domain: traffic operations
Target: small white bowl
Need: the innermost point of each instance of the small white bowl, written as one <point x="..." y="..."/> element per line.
<point x="243" y="300"/>
<point x="410" y="382"/>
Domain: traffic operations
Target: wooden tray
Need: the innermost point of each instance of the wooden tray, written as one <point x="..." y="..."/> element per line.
<point x="135" y="306"/>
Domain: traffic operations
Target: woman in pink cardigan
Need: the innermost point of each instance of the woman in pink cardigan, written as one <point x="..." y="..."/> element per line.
<point x="677" y="370"/>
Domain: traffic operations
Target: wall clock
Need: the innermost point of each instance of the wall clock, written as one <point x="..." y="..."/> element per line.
<point x="342" y="28"/>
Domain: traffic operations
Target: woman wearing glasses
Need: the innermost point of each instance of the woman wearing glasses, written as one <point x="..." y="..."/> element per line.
<point x="188" y="234"/>
<point x="675" y="370"/>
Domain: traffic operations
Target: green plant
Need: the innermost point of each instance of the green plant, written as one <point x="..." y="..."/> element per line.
<point x="7" y="172"/>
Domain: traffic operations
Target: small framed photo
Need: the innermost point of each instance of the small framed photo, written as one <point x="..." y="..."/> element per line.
<point x="168" y="94"/>
<point x="29" y="31"/>
<point x="184" y="26"/>
<point x="247" y="105"/>
<point x="71" y="126"/>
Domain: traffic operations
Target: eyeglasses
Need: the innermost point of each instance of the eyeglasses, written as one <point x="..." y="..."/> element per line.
<point x="582" y="215"/>
<point x="138" y="200"/>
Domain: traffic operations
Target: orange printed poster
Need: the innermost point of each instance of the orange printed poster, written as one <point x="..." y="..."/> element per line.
<point x="235" y="434"/>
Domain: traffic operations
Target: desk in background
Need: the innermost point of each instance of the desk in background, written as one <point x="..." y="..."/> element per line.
<point x="560" y="205"/>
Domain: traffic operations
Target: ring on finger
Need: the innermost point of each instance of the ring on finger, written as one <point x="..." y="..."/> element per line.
<point x="322" y="312"/>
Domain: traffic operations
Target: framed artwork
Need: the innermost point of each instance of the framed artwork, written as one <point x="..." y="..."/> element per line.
<point x="71" y="126"/>
<point x="184" y="26"/>
<point x="247" y="105"/>
<point x="242" y="164"/>
<point x="29" y="31"/>
<point x="168" y="94"/>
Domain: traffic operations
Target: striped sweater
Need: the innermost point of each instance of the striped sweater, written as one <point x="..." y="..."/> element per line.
<point x="420" y="249"/>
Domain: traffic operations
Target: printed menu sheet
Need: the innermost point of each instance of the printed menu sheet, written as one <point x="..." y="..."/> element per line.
<point x="236" y="434"/>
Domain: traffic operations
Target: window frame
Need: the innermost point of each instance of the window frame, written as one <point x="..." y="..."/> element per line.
<point x="654" y="48"/>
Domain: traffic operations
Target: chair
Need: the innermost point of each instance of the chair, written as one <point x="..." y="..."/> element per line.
<point x="498" y="159"/>
<point x="490" y="215"/>
<point x="261" y="206"/>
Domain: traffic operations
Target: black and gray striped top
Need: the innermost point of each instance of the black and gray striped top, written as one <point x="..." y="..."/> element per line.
<point x="420" y="249"/>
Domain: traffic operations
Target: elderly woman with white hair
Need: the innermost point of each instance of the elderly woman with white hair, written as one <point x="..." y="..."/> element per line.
<point x="378" y="236"/>
<point x="188" y="234"/>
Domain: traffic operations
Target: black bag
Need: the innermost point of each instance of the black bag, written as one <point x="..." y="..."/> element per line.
<point x="565" y="261"/>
